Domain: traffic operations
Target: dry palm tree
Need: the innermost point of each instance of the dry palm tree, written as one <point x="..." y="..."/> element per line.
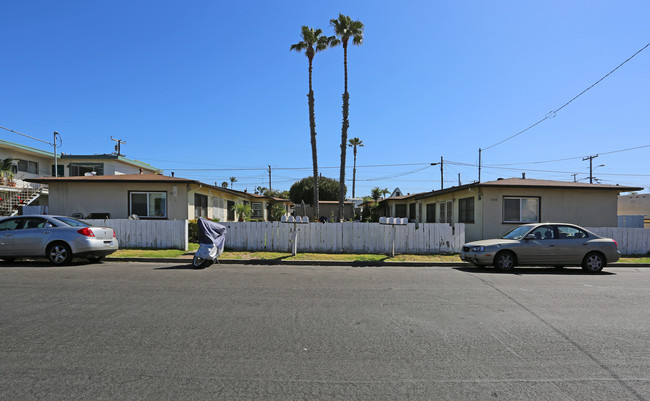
<point x="354" y="143"/>
<point x="312" y="42"/>
<point x="345" y="28"/>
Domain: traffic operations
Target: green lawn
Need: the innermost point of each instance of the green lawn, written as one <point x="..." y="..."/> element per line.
<point x="175" y="253"/>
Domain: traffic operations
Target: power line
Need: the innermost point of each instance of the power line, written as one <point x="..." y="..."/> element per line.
<point x="30" y="137"/>
<point x="552" y="114"/>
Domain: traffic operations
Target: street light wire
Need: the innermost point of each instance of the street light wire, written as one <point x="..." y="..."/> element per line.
<point x="553" y="113"/>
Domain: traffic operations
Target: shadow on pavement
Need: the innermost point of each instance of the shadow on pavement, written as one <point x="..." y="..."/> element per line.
<point x="572" y="271"/>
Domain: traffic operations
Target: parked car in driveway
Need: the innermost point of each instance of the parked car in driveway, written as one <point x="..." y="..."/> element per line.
<point x="58" y="238"/>
<point x="543" y="244"/>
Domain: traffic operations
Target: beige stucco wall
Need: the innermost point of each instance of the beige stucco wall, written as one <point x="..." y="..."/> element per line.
<point x="217" y="202"/>
<point x="585" y="207"/>
<point x="66" y="198"/>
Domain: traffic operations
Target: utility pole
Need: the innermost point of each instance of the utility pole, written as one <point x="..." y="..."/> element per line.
<point x="117" y="146"/>
<point x="479" y="165"/>
<point x="574" y="177"/>
<point x="442" y="176"/>
<point x="56" y="165"/>
<point x="270" y="188"/>
<point x="459" y="179"/>
<point x="591" y="170"/>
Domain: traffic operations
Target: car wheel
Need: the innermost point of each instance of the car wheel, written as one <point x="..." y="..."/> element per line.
<point x="96" y="259"/>
<point x="593" y="262"/>
<point x="200" y="263"/>
<point x="59" y="254"/>
<point x="505" y="261"/>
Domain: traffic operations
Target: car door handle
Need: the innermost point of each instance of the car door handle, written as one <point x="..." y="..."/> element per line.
<point x="46" y="232"/>
<point x="551" y="245"/>
<point x="7" y="235"/>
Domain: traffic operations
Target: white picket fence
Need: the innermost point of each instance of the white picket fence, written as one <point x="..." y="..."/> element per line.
<point x="345" y="237"/>
<point x="631" y="241"/>
<point x="155" y="234"/>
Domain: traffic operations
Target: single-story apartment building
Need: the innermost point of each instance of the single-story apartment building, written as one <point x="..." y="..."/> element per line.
<point x="488" y="209"/>
<point x="149" y="196"/>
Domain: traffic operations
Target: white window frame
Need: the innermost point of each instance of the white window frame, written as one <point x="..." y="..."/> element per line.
<point x="148" y="193"/>
<point x="521" y="209"/>
<point x="258" y="210"/>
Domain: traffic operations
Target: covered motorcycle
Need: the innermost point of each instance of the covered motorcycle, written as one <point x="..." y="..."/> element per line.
<point x="212" y="238"/>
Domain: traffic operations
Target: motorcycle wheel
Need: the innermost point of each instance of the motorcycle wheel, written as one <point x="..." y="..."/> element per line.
<point x="200" y="263"/>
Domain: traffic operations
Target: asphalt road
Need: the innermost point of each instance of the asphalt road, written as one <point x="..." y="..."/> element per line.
<point x="145" y="331"/>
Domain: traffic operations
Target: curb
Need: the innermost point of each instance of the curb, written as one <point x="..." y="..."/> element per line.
<point x="275" y="262"/>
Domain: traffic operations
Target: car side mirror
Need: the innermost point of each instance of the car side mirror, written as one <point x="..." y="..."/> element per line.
<point x="530" y="236"/>
<point x="48" y="225"/>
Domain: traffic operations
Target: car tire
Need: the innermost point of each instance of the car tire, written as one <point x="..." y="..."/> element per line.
<point x="594" y="262"/>
<point x="200" y="263"/>
<point x="59" y="254"/>
<point x="96" y="259"/>
<point x="505" y="261"/>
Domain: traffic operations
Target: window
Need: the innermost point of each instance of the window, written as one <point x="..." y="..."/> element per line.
<point x="466" y="210"/>
<point x="446" y="215"/>
<point x="27" y="166"/>
<point x="11" y="224"/>
<point x="569" y="232"/>
<point x="200" y="206"/>
<point x="257" y="210"/>
<point x="520" y="210"/>
<point x="148" y="204"/>
<point x="400" y="210"/>
<point x="431" y="213"/>
<point x="80" y="169"/>
<point x="60" y="170"/>
<point x="231" y="213"/>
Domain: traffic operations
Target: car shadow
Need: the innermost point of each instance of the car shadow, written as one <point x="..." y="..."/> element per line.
<point x="534" y="270"/>
<point x="31" y="263"/>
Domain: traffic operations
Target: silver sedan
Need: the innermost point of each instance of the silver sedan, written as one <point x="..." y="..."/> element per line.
<point x="546" y="244"/>
<point x="58" y="238"/>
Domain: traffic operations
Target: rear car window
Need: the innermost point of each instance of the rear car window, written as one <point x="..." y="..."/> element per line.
<point x="10" y="224"/>
<point x="71" y="222"/>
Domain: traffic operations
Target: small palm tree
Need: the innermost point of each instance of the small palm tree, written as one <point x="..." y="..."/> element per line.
<point x="354" y="143"/>
<point x="243" y="211"/>
<point x="312" y="42"/>
<point x="224" y="184"/>
<point x="345" y="28"/>
<point x="375" y="194"/>
<point x="232" y="181"/>
<point x="385" y="191"/>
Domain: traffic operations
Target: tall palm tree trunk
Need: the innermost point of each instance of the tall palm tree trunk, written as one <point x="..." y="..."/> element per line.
<point x="314" y="154"/>
<point x="354" y="170"/>
<point x="344" y="133"/>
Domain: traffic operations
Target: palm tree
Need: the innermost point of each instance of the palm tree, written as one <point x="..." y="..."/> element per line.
<point x="385" y="191"/>
<point x="312" y="42"/>
<point x="344" y="29"/>
<point x="354" y="143"/>
<point x="224" y="184"/>
<point x="375" y="194"/>
<point x="232" y="181"/>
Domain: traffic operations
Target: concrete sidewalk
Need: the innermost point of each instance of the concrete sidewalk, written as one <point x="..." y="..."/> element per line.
<point x="280" y="262"/>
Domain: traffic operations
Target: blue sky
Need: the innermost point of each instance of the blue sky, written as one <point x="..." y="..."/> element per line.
<point x="210" y="90"/>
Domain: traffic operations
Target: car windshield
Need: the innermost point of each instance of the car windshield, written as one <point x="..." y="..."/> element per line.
<point x="71" y="222"/>
<point x="516" y="233"/>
